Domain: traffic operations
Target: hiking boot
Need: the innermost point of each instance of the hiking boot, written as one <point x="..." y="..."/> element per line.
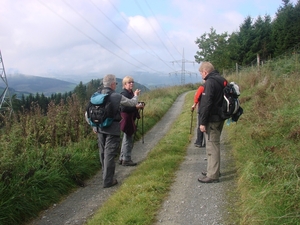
<point x="208" y="180"/>
<point x="115" y="182"/>
<point x="128" y="163"/>
<point x="204" y="173"/>
<point x="197" y="145"/>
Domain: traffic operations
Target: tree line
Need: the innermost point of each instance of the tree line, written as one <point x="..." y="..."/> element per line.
<point x="264" y="36"/>
<point x="82" y="92"/>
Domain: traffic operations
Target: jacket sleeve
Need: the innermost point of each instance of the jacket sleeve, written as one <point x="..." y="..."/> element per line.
<point x="129" y="102"/>
<point x="127" y="109"/>
<point x="206" y="103"/>
<point x="198" y="94"/>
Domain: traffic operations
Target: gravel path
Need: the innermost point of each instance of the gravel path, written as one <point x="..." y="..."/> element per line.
<point x="194" y="203"/>
<point x="189" y="201"/>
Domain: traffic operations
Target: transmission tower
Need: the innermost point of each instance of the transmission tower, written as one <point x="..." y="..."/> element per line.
<point x="5" y="99"/>
<point x="183" y="72"/>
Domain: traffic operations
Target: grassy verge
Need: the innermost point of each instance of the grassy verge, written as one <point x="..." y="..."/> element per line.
<point x="140" y="196"/>
<point x="266" y="147"/>
<point x="43" y="158"/>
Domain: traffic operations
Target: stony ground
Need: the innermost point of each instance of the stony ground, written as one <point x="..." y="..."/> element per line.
<point x="189" y="201"/>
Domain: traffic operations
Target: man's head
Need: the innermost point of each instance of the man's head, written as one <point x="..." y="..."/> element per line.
<point x="109" y="80"/>
<point x="206" y="68"/>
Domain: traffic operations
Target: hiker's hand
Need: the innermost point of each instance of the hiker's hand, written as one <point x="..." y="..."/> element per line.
<point x="137" y="92"/>
<point x="193" y="107"/>
<point x="140" y="105"/>
<point x="202" y="128"/>
<point x="95" y="130"/>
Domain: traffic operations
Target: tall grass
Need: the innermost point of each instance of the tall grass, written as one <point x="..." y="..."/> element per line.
<point x="266" y="145"/>
<point x="44" y="157"/>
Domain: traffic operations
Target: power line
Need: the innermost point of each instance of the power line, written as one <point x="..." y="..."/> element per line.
<point x="127" y="22"/>
<point x="127" y="34"/>
<point x="154" y="30"/>
<point x="87" y="35"/>
<point x="107" y="37"/>
<point x="162" y="27"/>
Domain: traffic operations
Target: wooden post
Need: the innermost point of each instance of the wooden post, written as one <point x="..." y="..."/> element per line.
<point x="258" y="64"/>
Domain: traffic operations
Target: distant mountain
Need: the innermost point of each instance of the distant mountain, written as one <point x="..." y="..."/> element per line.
<point x="25" y="84"/>
<point x="20" y="84"/>
<point x="150" y="80"/>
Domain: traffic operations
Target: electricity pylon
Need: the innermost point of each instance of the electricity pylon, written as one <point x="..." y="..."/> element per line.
<point x="5" y="99"/>
<point x="183" y="72"/>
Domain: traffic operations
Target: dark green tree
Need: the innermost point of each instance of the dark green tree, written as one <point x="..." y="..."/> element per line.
<point x="80" y="91"/>
<point x="285" y="27"/>
<point x="262" y="43"/>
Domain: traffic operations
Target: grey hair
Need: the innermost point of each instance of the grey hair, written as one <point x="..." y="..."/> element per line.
<point x="108" y="80"/>
<point x="207" y="66"/>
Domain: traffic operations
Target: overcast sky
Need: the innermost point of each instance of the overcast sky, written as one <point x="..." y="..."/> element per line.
<point x="61" y="37"/>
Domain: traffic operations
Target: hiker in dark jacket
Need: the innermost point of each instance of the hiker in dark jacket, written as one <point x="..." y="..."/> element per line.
<point x="109" y="137"/>
<point x="129" y="115"/>
<point x="200" y="140"/>
<point x="210" y="122"/>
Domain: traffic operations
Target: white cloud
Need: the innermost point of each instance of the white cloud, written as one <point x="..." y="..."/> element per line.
<point x="41" y="37"/>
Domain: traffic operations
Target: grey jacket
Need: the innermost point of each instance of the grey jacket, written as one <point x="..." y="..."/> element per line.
<point x="117" y="100"/>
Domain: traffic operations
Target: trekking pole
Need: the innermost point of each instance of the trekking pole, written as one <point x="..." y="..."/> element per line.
<point x="192" y="113"/>
<point x="134" y="135"/>
<point x="142" y="125"/>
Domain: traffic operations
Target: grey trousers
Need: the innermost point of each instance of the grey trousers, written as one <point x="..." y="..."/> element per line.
<point x="108" y="150"/>
<point x="127" y="145"/>
<point x="212" y="138"/>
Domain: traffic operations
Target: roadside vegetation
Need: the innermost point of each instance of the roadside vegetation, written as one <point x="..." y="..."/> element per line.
<point x="47" y="150"/>
<point x="43" y="157"/>
<point x="265" y="144"/>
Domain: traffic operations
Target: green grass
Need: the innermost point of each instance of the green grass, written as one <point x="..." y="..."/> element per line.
<point x="140" y="196"/>
<point x="266" y="148"/>
<point x="44" y="158"/>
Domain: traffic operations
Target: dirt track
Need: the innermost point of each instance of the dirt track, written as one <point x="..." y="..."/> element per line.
<point x="189" y="201"/>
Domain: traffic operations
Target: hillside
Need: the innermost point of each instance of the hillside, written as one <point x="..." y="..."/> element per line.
<point x="25" y="84"/>
<point x="20" y="84"/>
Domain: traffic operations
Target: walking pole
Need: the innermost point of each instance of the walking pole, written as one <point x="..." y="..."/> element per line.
<point x="142" y="125"/>
<point x="136" y="126"/>
<point x="192" y="113"/>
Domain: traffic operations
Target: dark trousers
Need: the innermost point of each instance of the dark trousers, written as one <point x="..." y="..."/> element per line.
<point x="108" y="150"/>
<point x="200" y="136"/>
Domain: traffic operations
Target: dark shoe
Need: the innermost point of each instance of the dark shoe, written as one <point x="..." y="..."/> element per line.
<point x="120" y="161"/>
<point x="197" y="145"/>
<point x="115" y="182"/>
<point x="208" y="180"/>
<point x="202" y="146"/>
<point x="204" y="173"/>
<point x="128" y="163"/>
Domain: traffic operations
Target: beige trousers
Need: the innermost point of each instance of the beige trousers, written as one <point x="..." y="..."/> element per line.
<point x="212" y="138"/>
